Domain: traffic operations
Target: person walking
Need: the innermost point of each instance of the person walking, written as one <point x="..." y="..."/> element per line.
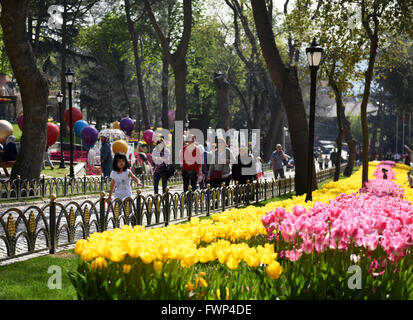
<point x="258" y="166"/>
<point x="326" y="161"/>
<point x="161" y="159"/>
<point x="220" y="168"/>
<point x="47" y="159"/>
<point x="408" y="158"/>
<point x="320" y="161"/>
<point x="244" y="162"/>
<point x="277" y="160"/>
<point x="191" y="161"/>
<point x="106" y="161"/>
<point x="121" y="176"/>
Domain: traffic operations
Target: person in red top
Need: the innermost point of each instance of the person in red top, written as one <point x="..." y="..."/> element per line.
<point x="191" y="161"/>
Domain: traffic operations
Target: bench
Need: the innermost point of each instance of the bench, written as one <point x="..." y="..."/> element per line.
<point x="5" y="165"/>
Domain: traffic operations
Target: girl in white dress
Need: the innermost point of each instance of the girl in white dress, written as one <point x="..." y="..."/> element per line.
<point x="121" y="177"/>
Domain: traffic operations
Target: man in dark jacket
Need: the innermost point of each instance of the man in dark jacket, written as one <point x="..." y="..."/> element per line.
<point x="105" y="157"/>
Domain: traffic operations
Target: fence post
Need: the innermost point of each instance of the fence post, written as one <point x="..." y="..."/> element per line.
<point x="138" y="214"/>
<point x="84" y="184"/>
<point x="265" y="190"/>
<point x="43" y="186"/>
<point x="272" y="188"/>
<point x="248" y="193"/>
<point x="166" y="210"/>
<point x="52" y="224"/>
<point x="236" y="192"/>
<point x="208" y="198"/>
<point x="102" y="211"/>
<point x="189" y="207"/>
<point x="257" y="189"/>
<point x="223" y="196"/>
<point x="18" y="187"/>
<point x="65" y="186"/>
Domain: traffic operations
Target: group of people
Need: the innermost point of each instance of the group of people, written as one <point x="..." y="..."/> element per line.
<point x="205" y="164"/>
<point x="200" y="165"/>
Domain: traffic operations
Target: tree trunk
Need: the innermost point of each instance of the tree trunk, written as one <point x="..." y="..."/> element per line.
<point x="176" y="59"/>
<point x="373" y="152"/>
<point x="352" y="147"/>
<point x="286" y="80"/>
<point x="374" y="39"/>
<point x="222" y="89"/>
<point x="63" y="67"/>
<point x="180" y="90"/>
<point x="339" y="140"/>
<point x="165" y="90"/>
<point x="138" y="66"/>
<point x="33" y="87"/>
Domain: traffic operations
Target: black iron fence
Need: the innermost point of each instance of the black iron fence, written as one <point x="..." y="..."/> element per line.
<point x="37" y="229"/>
<point x="66" y="186"/>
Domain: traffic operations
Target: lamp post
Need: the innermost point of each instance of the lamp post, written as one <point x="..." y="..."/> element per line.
<point x="59" y="98"/>
<point x="314" y="57"/>
<point x="69" y="80"/>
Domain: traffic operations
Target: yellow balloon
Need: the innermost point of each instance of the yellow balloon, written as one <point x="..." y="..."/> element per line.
<point x="6" y="129"/>
<point x="116" y="125"/>
<point x="120" y="146"/>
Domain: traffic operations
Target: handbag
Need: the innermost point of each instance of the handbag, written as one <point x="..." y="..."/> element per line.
<point x="216" y="175"/>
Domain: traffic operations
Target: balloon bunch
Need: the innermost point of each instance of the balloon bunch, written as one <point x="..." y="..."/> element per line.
<point x="52" y="133"/>
<point x="82" y="129"/>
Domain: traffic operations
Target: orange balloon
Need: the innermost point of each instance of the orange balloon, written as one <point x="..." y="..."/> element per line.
<point x="120" y="146"/>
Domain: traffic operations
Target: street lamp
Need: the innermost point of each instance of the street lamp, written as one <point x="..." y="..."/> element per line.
<point x="314" y="58"/>
<point x="69" y="79"/>
<point x="59" y="98"/>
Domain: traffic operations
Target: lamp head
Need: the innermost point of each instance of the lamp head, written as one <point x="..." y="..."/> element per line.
<point x="314" y="53"/>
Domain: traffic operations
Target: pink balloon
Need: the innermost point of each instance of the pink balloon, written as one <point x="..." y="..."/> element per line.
<point x="148" y="136"/>
<point x="20" y="122"/>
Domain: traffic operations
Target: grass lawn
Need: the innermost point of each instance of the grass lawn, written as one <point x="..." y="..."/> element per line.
<point x="16" y="131"/>
<point x="28" y="280"/>
<point x="56" y="172"/>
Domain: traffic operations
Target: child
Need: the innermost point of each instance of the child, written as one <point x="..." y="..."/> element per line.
<point x="410" y="178"/>
<point x="258" y="166"/>
<point x="384" y="173"/>
<point x="121" y="176"/>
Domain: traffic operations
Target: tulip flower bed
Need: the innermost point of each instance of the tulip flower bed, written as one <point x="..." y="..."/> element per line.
<point x="285" y="250"/>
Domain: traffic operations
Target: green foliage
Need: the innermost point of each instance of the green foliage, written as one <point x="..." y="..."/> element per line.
<point x="5" y="66"/>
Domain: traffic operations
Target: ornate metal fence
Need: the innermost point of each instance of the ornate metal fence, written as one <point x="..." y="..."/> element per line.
<point x="61" y="187"/>
<point x="37" y="229"/>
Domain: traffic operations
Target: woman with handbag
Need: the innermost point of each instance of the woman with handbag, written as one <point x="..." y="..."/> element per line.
<point x="220" y="168"/>
<point x="161" y="160"/>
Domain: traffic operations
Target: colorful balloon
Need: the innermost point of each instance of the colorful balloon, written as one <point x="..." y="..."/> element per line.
<point x="78" y="127"/>
<point x="6" y="129"/>
<point x="120" y="146"/>
<point x="76" y="115"/>
<point x="116" y="125"/>
<point x="20" y="122"/>
<point x="126" y="125"/>
<point x="53" y="132"/>
<point x="89" y="136"/>
<point x="148" y="136"/>
<point x="171" y="116"/>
